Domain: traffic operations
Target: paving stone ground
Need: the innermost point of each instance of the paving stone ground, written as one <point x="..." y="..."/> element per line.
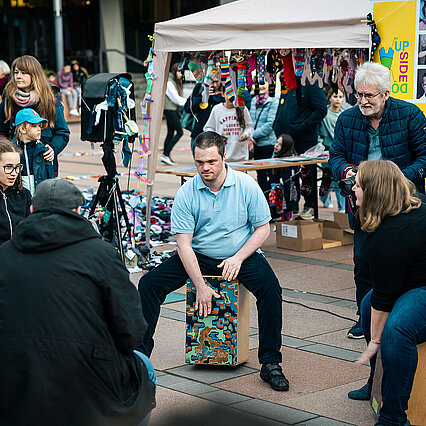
<point x="317" y="355"/>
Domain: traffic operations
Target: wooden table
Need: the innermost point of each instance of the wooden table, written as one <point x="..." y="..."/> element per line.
<point x="245" y="166"/>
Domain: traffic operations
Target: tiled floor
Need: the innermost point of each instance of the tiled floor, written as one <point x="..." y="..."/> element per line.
<point x="318" y="357"/>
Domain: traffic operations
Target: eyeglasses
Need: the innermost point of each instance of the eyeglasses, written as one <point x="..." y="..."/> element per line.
<point x="10" y="169"/>
<point x="367" y="96"/>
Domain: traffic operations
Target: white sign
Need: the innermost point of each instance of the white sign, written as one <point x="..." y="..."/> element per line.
<point x="289" y="231"/>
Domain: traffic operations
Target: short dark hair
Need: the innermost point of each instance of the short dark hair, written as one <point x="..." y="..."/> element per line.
<point x="207" y="140"/>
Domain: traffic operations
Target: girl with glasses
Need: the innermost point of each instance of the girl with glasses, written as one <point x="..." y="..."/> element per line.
<point x="15" y="200"/>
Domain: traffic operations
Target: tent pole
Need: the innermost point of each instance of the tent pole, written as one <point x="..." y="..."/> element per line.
<point x="158" y="92"/>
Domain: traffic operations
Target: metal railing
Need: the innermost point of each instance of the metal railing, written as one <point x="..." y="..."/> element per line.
<point x="129" y="57"/>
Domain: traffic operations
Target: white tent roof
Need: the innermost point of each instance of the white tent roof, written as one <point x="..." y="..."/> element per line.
<point x="268" y="24"/>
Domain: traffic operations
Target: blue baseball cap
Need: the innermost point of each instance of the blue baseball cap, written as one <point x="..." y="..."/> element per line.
<point x="28" y="115"/>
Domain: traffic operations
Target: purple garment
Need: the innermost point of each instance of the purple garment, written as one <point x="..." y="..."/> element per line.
<point x="65" y="80"/>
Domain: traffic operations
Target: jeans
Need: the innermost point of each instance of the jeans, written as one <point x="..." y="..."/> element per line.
<point x="326" y="199"/>
<point x="72" y="98"/>
<point x="255" y="274"/>
<point x="362" y="276"/>
<point x="404" y="329"/>
<point x="261" y="152"/>
<point x="173" y="126"/>
<point x="152" y="377"/>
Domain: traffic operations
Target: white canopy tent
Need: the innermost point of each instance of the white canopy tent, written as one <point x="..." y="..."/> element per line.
<point x="251" y="25"/>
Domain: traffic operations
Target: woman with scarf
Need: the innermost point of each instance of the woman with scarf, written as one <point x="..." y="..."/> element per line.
<point x="263" y="111"/>
<point x="29" y="88"/>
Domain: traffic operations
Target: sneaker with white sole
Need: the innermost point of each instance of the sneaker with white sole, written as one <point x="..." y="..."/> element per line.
<point x="308" y="213"/>
<point x="167" y="160"/>
<point x="74" y="112"/>
<point x="356" y="331"/>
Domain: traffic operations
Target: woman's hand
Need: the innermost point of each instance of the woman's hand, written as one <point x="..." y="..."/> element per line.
<point x="243" y="137"/>
<point x="372" y="349"/>
<point x="49" y="155"/>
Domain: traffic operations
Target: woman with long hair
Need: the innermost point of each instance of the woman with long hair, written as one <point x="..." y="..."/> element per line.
<point x="173" y="101"/>
<point x="16" y="199"/>
<point x="235" y="125"/>
<point x="393" y="313"/>
<point x="29" y="88"/>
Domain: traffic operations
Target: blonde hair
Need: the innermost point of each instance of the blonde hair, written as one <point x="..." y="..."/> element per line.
<point x="25" y="124"/>
<point x="39" y="83"/>
<point x="387" y="192"/>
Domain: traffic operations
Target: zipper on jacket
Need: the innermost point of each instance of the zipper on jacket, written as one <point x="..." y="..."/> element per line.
<point x="7" y="212"/>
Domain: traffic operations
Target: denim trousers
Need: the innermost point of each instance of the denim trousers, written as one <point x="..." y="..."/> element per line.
<point x="405" y="328"/>
<point x="362" y="276"/>
<point x="255" y="274"/>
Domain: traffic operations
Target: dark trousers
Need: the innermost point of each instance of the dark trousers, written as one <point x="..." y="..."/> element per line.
<point x="309" y="199"/>
<point x="255" y="274"/>
<point x="404" y="329"/>
<point x="261" y="152"/>
<point x="173" y="126"/>
<point x="362" y="276"/>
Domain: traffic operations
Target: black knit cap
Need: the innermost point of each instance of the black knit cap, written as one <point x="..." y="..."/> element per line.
<point x="59" y="192"/>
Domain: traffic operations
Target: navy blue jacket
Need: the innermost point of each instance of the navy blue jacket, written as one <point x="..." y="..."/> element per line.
<point x="401" y="133"/>
<point x="39" y="167"/>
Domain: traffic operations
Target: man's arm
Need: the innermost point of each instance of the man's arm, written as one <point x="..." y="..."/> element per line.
<point x="338" y="160"/>
<point x="417" y="143"/>
<point x="232" y="265"/>
<point x="205" y="293"/>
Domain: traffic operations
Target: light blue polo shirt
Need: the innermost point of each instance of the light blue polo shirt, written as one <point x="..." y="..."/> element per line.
<point x="221" y="222"/>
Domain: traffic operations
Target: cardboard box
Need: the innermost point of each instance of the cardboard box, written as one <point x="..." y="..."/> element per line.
<point x="338" y="229"/>
<point x="300" y="235"/>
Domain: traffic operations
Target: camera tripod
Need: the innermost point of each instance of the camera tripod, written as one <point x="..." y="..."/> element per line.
<point x="109" y="196"/>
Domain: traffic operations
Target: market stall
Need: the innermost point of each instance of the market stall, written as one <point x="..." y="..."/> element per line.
<point x="247" y="25"/>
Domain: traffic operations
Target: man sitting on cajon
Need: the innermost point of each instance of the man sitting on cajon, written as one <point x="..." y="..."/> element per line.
<point x="221" y="218"/>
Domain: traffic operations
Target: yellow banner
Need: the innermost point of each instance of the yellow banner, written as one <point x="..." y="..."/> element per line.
<point x="403" y="40"/>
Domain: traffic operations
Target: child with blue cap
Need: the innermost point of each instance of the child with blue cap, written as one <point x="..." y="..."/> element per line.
<point x="37" y="158"/>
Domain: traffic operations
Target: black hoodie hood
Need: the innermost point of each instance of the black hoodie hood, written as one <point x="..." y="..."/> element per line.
<point x="51" y="228"/>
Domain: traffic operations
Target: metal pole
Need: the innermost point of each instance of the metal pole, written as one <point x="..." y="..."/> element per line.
<point x="59" y="33"/>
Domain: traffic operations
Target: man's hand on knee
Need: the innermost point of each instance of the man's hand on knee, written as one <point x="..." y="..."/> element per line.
<point x="203" y="302"/>
<point x="231" y="268"/>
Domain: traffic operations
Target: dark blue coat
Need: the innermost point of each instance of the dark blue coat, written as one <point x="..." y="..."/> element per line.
<point x="39" y="167"/>
<point x="402" y="139"/>
<point x="57" y="137"/>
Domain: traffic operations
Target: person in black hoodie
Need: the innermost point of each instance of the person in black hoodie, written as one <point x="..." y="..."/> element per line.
<point x="16" y="201"/>
<point x="69" y="323"/>
<point x="301" y="120"/>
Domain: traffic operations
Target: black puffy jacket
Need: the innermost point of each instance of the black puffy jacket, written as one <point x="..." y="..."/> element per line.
<point x="69" y="321"/>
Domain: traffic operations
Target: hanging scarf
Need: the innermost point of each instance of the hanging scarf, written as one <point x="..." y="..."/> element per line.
<point x="26" y="100"/>
<point x="261" y="99"/>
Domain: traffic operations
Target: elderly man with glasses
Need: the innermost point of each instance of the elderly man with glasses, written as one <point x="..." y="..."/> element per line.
<point x="379" y="126"/>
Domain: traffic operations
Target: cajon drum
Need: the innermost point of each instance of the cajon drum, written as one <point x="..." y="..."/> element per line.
<point x="220" y="338"/>
<point x="416" y="412"/>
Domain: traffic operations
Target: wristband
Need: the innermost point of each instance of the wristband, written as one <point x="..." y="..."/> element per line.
<point x="377" y="342"/>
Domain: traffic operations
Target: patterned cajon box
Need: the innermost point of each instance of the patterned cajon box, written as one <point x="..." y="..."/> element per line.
<point x="220" y="338"/>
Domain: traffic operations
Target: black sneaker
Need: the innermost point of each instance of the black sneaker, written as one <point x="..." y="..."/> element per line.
<point x="272" y="373"/>
<point x="356" y="331"/>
